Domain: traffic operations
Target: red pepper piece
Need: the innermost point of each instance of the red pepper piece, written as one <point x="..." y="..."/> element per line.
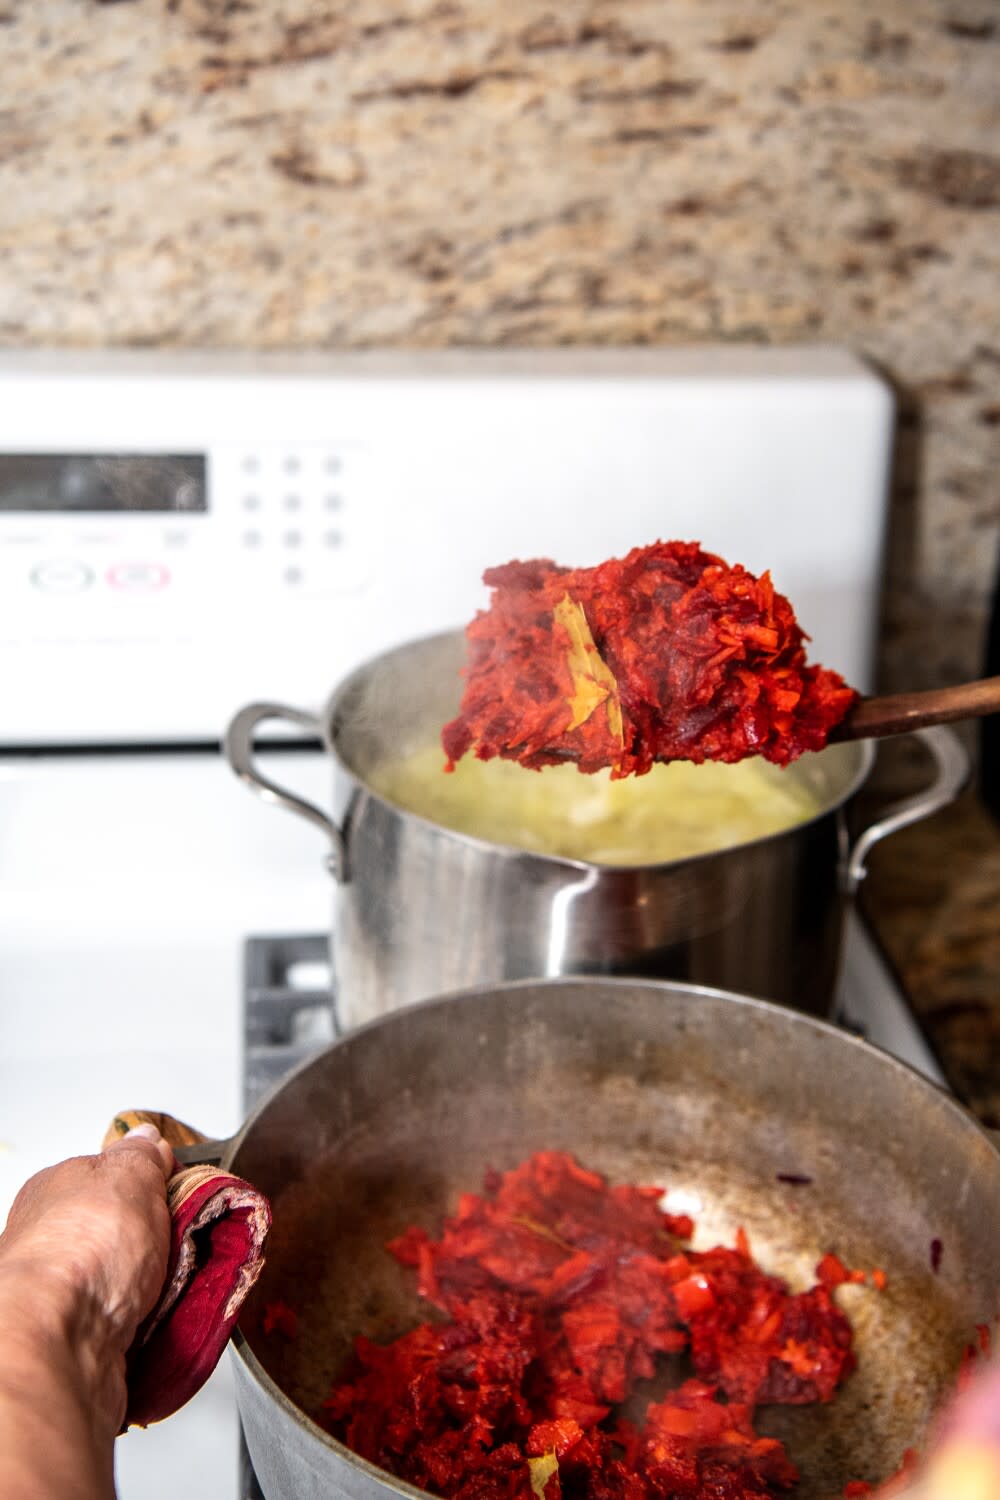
<point x="831" y="1271"/>
<point x="279" y="1317"/>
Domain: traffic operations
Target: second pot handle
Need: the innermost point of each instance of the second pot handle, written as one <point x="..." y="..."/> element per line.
<point x="951" y="774"/>
<point x="238" y="747"/>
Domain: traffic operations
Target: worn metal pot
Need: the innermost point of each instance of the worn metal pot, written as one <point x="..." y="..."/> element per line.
<point x="422" y="910"/>
<point x="714" y="1096"/>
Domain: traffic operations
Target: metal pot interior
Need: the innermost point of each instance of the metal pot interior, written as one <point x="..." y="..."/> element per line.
<point x="397" y="703"/>
<point x="711" y="1096"/>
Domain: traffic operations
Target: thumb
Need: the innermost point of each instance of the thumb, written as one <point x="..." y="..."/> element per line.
<point x="147" y="1140"/>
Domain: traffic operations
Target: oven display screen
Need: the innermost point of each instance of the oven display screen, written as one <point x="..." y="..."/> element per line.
<point x="102" y="482"/>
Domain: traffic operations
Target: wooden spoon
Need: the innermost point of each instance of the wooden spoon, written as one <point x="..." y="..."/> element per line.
<point x="873" y="718"/>
<point x="899" y="713"/>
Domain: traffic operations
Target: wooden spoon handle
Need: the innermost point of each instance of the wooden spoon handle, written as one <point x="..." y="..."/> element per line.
<point x="871" y="718"/>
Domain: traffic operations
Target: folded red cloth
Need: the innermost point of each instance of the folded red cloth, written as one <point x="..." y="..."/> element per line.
<point x="218" y="1227"/>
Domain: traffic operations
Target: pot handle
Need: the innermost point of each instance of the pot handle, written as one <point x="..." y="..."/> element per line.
<point x="204" y="1153"/>
<point x="951" y="774"/>
<point x="237" y="745"/>
<point x="190" y="1147"/>
<point x="219" y="1225"/>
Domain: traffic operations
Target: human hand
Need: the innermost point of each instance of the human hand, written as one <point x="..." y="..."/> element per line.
<point x="82" y="1260"/>
<point x="964" y="1462"/>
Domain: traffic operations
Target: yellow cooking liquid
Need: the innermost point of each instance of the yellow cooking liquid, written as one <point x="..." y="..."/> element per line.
<point x="678" y="810"/>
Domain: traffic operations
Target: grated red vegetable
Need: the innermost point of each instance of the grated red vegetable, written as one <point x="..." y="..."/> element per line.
<point x="896" y="1484"/>
<point x="559" y="1293"/>
<point x="280" y="1318"/>
<point x="973" y="1353"/>
<point x="666" y="654"/>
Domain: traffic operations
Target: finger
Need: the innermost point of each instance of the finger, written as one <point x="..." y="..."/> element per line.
<point x="148" y="1140"/>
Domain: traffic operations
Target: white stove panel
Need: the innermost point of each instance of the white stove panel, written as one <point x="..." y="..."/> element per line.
<point x="333" y="507"/>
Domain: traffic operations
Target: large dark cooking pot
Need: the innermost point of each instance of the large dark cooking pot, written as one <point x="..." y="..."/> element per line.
<point x="422" y="910"/>
<point x="710" y="1094"/>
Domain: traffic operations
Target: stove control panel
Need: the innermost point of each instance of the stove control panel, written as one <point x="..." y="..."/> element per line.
<point x="181" y="533"/>
<point x="266" y="517"/>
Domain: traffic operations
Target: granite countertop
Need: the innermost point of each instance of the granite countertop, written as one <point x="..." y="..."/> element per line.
<point x="933" y="895"/>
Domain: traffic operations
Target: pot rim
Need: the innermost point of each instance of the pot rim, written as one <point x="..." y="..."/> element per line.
<point x="962" y="1117"/>
<point x="328" y="719"/>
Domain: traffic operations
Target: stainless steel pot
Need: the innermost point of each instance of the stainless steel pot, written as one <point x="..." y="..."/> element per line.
<point x="422" y="910"/>
<point x="713" y="1095"/>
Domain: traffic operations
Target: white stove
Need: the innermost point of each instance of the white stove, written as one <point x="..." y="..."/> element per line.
<point x="181" y="533"/>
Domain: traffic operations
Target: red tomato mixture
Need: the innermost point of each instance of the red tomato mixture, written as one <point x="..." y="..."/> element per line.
<point x="666" y="654"/>
<point x="559" y="1292"/>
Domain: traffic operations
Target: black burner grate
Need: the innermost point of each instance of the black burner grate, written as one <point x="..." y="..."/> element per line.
<point x="284" y="1022"/>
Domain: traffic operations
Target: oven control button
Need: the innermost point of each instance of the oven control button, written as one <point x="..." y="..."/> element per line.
<point x="62" y="576"/>
<point x="138" y="577"/>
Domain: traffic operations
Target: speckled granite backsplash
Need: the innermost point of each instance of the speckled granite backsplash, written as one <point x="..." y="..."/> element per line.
<point x="250" y="173"/>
